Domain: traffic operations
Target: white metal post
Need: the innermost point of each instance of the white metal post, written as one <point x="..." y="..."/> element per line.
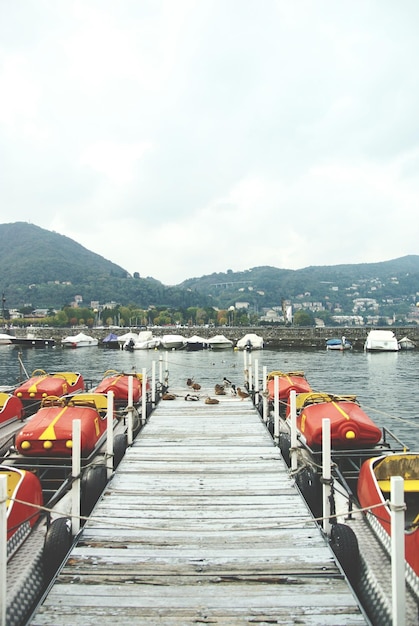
<point x="3" y="548"/>
<point x="76" y="468"/>
<point x="130" y="435"/>
<point x="144" y="396"/>
<point x="293" y="420"/>
<point x="397" y="550"/>
<point x="161" y="370"/>
<point x="327" y="474"/>
<point x="276" y="409"/>
<point x="109" y="434"/>
<point x="153" y="384"/>
<point x="265" y="398"/>
<point x="256" y="397"/>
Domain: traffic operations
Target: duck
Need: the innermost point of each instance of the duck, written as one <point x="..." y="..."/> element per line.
<point x="189" y="382"/>
<point x="242" y="394"/>
<point x="219" y="390"/>
<point x="191" y="397"/>
<point x="211" y="400"/>
<point x="168" y="396"/>
<point x="196" y="386"/>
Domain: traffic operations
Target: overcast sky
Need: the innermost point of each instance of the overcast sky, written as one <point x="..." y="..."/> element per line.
<point x="179" y="138"/>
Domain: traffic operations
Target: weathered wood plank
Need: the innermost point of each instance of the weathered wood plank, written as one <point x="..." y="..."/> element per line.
<point x="201" y="524"/>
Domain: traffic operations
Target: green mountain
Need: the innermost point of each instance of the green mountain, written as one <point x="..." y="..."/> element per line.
<point x="44" y="269"/>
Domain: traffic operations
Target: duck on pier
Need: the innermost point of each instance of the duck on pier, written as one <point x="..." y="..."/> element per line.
<point x="242" y="394"/>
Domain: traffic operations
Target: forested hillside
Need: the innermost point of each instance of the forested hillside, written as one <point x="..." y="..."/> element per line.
<point x="45" y="269"/>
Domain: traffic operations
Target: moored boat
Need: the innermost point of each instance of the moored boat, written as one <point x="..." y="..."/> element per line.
<point x="173" y="342"/>
<point x="41" y="384"/>
<point x="195" y="343"/>
<point x="350" y="426"/>
<point x="338" y="343"/>
<point x="381" y="341"/>
<point x="219" y="342"/>
<point x="110" y="342"/>
<point x="288" y="381"/>
<point x="374" y="484"/>
<point x="406" y="344"/>
<point x="81" y="340"/>
<point x="251" y="341"/>
<point x="146" y="341"/>
<point x="118" y="382"/>
<point x="6" y="339"/>
<point x="49" y="431"/>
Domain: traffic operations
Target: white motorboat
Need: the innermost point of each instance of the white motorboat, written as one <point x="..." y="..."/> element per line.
<point x="251" y="341"/>
<point x="79" y="341"/>
<point x="195" y="343"/>
<point x="173" y="342"/>
<point x="219" y="342"/>
<point x="381" y="341"/>
<point x="6" y="339"/>
<point x="146" y="341"/>
<point x="407" y="344"/>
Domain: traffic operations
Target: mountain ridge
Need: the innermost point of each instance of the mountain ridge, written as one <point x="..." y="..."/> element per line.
<point x="47" y="269"/>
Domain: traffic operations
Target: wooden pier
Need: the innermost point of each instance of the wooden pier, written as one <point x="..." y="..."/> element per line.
<point x="201" y="524"/>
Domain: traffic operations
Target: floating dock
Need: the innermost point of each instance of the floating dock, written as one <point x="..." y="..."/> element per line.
<point x="201" y="524"/>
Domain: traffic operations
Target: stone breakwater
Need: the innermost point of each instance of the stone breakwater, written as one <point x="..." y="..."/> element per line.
<point x="275" y="337"/>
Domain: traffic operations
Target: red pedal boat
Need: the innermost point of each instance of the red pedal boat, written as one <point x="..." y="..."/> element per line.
<point x="40" y="385"/>
<point x="11" y="409"/>
<point x="350" y="426"/>
<point x="288" y="381"/>
<point x="49" y="431"/>
<point x="23" y="490"/>
<point x="118" y="383"/>
<point x="374" y="488"/>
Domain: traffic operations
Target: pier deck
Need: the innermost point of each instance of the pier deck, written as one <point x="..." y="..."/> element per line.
<point x="201" y="523"/>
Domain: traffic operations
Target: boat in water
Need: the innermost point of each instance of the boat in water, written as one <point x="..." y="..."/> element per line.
<point x="81" y="340"/>
<point x="146" y="341"/>
<point x="374" y="485"/>
<point x="338" y="343"/>
<point x="41" y="384"/>
<point x="195" y="343"/>
<point x="173" y="342"/>
<point x="407" y="344"/>
<point x="119" y="383"/>
<point x="381" y="341"/>
<point x="249" y="342"/>
<point x="219" y="342"/>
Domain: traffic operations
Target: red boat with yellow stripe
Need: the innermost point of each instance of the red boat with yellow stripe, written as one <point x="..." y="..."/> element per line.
<point x="288" y="381"/>
<point x="49" y="431"/>
<point x="118" y="382"/>
<point x="350" y="426"/>
<point x="41" y="385"/>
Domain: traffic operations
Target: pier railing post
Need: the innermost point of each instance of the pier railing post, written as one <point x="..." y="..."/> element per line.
<point x="327" y="474"/>
<point x="130" y="409"/>
<point x="153" y="384"/>
<point x="276" y="409"/>
<point x="144" y="397"/>
<point x="76" y="468"/>
<point x="398" y="566"/>
<point x="293" y="418"/>
<point x="256" y="397"/>
<point x="109" y="434"/>
<point x="265" y="394"/>
<point x="3" y="548"/>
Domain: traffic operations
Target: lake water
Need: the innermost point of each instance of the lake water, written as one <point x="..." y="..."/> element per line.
<point x="386" y="384"/>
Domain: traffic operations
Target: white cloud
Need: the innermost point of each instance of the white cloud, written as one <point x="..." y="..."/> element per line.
<point x="218" y="136"/>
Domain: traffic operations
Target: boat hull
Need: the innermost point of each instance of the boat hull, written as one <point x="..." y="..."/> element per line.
<point x="288" y="381"/>
<point x="42" y="385"/>
<point x="350" y="426"/>
<point x="119" y="385"/>
<point x="49" y="433"/>
<point x="374" y="484"/>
